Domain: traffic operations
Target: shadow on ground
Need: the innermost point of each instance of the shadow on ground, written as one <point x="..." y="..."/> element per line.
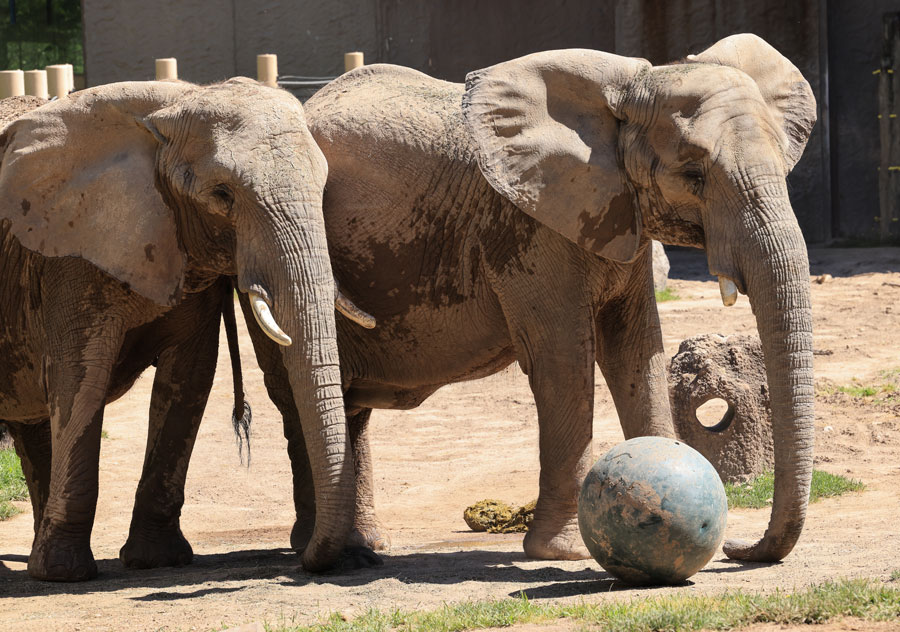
<point x="281" y="565"/>
<point x="689" y="264"/>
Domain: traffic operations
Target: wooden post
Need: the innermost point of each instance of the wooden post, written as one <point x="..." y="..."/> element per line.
<point x="267" y="70"/>
<point x="12" y="83"/>
<point x="353" y="60"/>
<point x="70" y="73"/>
<point x="166" y="69"/>
<point x="58" y="80"/>
<point x="36" y="83"/>
<point x="889" y="115"/>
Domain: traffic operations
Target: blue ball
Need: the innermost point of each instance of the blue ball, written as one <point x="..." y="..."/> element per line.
<point x="652" y="511"/>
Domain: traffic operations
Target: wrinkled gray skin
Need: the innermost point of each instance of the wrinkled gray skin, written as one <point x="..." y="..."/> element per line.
<point x="122" y="210"/>
<point x="518" y="227"/>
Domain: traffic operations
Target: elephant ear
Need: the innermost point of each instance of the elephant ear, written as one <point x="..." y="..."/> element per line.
<point x="546" y="131"/>
<point x="785" y="91"/>
<point x="77" y="178"/>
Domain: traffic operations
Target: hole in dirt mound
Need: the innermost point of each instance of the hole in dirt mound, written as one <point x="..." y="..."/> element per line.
<point x="715" y="414"/>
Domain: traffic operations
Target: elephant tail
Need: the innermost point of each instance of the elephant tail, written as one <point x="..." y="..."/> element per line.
<point x="241" y="415"/>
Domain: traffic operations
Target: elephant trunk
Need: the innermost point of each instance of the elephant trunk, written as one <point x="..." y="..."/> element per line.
<point x="775" y="268"/>
<point x="288" y="269"/>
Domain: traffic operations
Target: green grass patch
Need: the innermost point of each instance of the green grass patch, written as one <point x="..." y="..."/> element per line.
<point x="895" y="576"/>
<point x="103" y="434"/>
<point x="864" y="599"/>
<point x="12" y="483"/>
<point x="758" y="492"/>
<point x="884" y="390"/>
<point x="667" y="294"/>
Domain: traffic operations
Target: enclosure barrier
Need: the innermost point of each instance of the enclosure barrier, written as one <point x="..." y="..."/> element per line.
<point x="58" y="83"/>
<point x="889" y="130"/>
<point x="267" y="70"/>
<point x="166" y="69"/>
<point x="353" y="60"/>
<point x="58" y="80"/>
<point x="36" y="83"/>
<point x="12" y="83"/>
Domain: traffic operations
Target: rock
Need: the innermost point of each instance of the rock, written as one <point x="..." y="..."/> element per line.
<point x="711" y="366"/>
<point x="660" y="267"/>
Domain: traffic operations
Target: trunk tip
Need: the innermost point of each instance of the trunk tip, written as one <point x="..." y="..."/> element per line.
<point x="752" y="551"/>
<point x="737" y="549"/>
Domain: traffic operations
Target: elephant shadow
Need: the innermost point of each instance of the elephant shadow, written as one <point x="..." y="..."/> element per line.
<point x="282" y="565"/>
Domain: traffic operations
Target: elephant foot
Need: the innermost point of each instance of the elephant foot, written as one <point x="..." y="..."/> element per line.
<point x="356" y="557"/>
<point x="370" y="534"/>
<point x="54" y="560"/>
<point x="161" y="548"/>
<point x="360" y="549"/>
<point x="555" y="544"/>
<point x="301" y="534"/>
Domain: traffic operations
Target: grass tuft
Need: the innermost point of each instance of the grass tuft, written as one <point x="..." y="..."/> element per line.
<point x="12" y="483"/>
<point x="667" y="294"/>
<point x="864" y="599"/>
<point x="885" y="390"/>
<point x="758" y="492"/>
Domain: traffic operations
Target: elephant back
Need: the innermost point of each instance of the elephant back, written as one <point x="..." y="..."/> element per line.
<point x="12" y="108"/>
<point x="394" y="108"/>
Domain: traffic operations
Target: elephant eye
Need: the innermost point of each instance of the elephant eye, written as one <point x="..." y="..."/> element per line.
<point x="693" y="175"/>
<point x="222" y="193"/>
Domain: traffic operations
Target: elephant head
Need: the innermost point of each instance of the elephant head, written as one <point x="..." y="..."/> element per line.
<point x="165" y="186"/>
<point x="600" y="148"/>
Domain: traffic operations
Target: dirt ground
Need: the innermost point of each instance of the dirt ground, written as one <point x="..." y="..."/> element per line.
<point x="468" y="442"/>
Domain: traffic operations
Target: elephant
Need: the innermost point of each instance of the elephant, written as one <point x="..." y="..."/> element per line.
<point x="127" y="213"/>
<point x="511" y="218"/>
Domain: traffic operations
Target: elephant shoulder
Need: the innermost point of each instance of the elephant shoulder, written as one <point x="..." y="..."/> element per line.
<point x="385" y="104"/>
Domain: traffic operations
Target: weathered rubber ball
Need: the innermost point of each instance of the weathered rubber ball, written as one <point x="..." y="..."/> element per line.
<point x="652" y="511"/>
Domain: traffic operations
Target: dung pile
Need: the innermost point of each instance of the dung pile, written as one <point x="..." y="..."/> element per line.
<point x="496" y="516"/>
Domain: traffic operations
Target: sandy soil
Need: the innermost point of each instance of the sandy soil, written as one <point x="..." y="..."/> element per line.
<point x="469" y="441"/>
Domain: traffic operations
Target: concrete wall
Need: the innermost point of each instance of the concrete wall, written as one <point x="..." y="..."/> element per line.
<point x="123" y="37"/>
<point x="667" y="31"/>
<point x="855" y="40"/>
<point x="214" y="39"/>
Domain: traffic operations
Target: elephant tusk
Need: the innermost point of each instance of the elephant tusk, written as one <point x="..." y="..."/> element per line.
<point x="346" y="307"/>
<point x="266" y="321"/>
<point x="728" y="290"/>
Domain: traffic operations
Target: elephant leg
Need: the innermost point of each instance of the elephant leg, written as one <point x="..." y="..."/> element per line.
<point x="368" y="531"/>
<point x="32" y="443"/>
<point x="554" y="344"/>
<point x="184" y="377"/>
<point x="78" y="372"/>
<point x="631" y="356"/>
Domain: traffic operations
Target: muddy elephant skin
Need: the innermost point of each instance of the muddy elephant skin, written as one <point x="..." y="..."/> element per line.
<point x="511" y="218"/>
<point x="124" y="210"/>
